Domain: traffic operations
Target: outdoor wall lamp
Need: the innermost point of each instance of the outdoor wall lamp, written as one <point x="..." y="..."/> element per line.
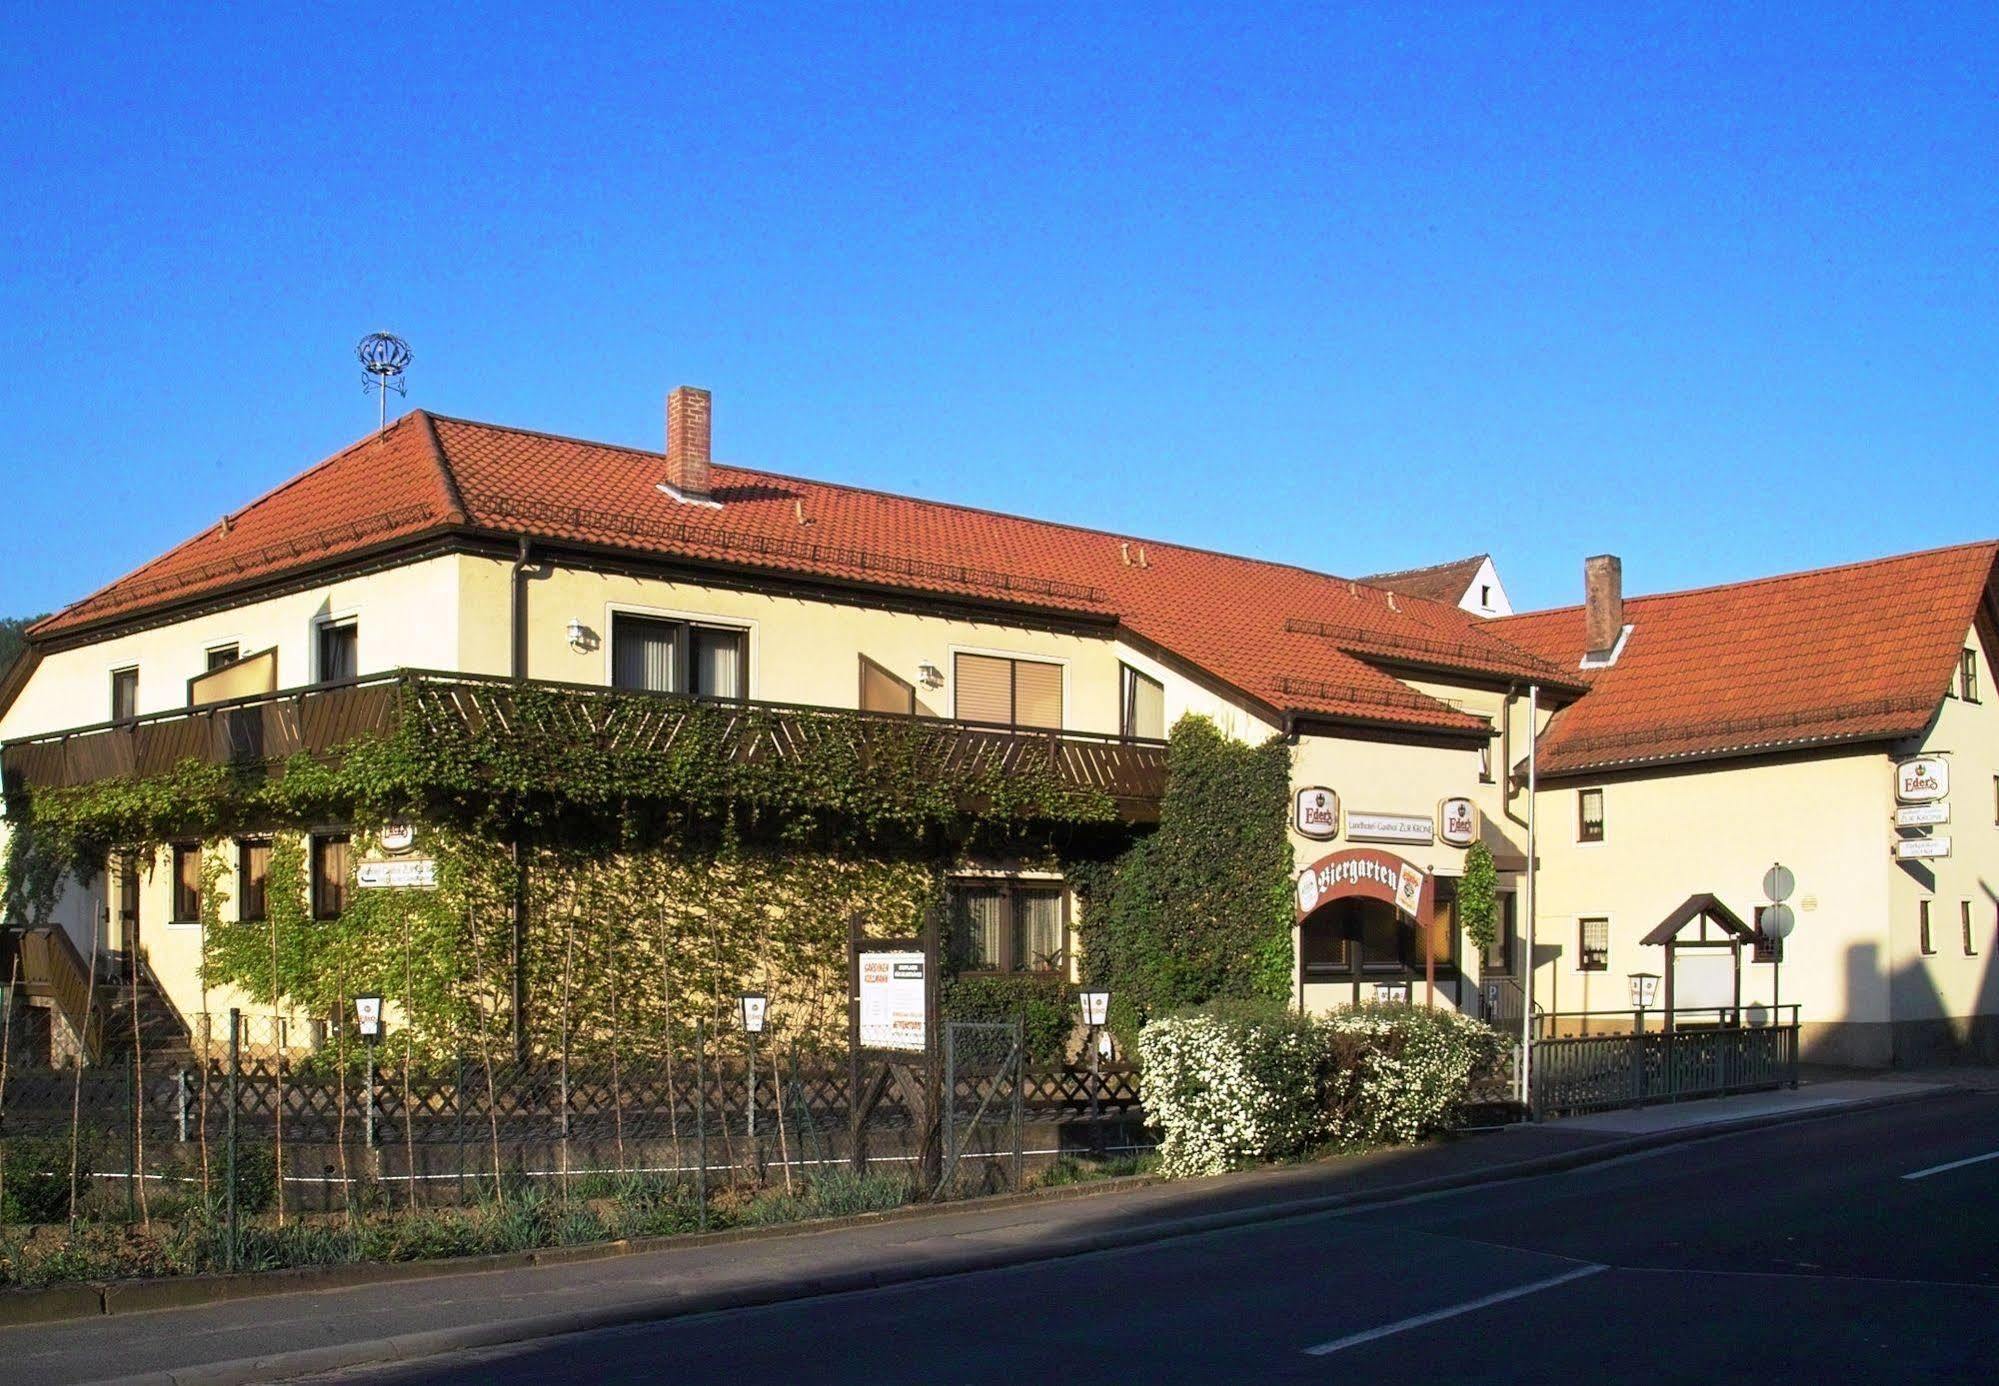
<point x="929" y="675"/>
<point x="1644" y="987"/>
<point x="752" y="1005"/>
<point x="1096" y="1006"/>
<point x="577" y="635"/>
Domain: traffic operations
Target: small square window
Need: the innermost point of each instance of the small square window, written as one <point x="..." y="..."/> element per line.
<point x="1589" y="815"/>
<point x="1927" y="943"/>
<point x="329" y="875"/>
<point x="219" y="655"/>
<point x="124" y="694"/>
<point x="1594" y="946"/>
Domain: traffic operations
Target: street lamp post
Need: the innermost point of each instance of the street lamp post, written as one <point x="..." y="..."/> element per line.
<point x="752" y="1005"/>
<point x="368" y="1012"/>
<point x="1096" y="1010"/>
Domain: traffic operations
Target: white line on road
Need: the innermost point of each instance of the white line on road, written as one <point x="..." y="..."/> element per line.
<point x="1438" y="1315"/>
<point x="1954" y="1164"/>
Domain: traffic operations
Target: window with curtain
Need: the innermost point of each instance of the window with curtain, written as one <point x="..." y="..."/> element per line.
<point x="253" y="873"/>
<point x="655" y="656"/>
<point x="1007" y="926"/>
<point x="219" y="655"/>
<point x="329" y="875"/>
<point x="339" y="651"/>
<point x="187" y="883"/>
<point x="1593" y="945"/>
<point x="1011" y="692"/>
<point x="1144" y="711"/>
<point x="124" y="694"/>
<point x="1589" y="815"/>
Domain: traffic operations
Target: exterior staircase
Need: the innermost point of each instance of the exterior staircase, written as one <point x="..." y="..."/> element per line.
<point x="161" y="1032"/>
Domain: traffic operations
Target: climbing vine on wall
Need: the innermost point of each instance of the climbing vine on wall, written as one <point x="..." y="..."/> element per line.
<point x="1202" y="908"/>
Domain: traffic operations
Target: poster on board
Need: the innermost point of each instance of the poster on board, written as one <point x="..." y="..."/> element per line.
<point x="894" y="1001"/>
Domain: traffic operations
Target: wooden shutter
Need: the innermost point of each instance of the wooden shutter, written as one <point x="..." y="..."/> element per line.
<point x="984" y="689"/>
<point x="1037" y="694"/>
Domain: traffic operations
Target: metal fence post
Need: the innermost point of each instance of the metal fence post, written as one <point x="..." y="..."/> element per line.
<point x="950" y="1105"/>
<point x="701" y="1119"/>
<point x="1019" y="1096"/>
<point x="132" y="1133"/>
<point x="229" y="1135"/>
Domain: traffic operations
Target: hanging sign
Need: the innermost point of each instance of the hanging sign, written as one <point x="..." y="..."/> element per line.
<point x="1316" y="813"/>
<point x="894" y="1001"/>
<point x="397" y="838"/>
<point x="1918" y="848"/>
<point x="1409" y="890"/>
<point x="368" y="1011"/>
<point x="1922" y="780"/>
<point x="406" y="874"/>
<point x="1922" y="815"/>
<point x="1457" y="822"/>
<point x="1412" y="828"/>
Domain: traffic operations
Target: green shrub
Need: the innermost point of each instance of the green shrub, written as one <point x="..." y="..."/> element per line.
<point x="1231" y="1085"/>
<point x="840" y="1193"/>
<point x="1398" y="1073"/>
<point x="256" y="1179"/>
<point x="37" y="1171"/>
<point x="1042" y="1000"/>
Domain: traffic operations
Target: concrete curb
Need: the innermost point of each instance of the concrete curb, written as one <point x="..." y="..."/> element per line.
<point x="414" y="1346"/>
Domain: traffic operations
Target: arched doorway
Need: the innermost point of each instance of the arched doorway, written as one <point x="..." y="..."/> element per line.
<point x="1365" y="919"/>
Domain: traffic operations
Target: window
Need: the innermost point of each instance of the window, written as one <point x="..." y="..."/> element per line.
<point x="339" y="651"/>
<point x="1967" y="676"/>
<point x="1923" y="938"/>
<point x="219" y="655"/>
<point x="1012" y="692"/>
<point x="882" y="691"/>
<point x="329" y="875"/>
<point x="253" y="875"/>
<point x="1593" y="951"/>
<point x="1144" y="705"/>
<point x="128" y="896"/>
<point x="1007" y="926"/>
<point x="187" y="883"/>
<point x="1485" y="595"/>
<point x="1765" y="949"/>
<point x="124" y="694"/>
<point x="655" y="656"/>
<point x="1497" y="959"/>
<point x="1589" y="815"/>
<point x="1964" y="918"/>
<point x="1485" y="762"/>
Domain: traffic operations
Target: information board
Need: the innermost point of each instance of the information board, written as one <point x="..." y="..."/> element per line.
<point x="894" y="1001"/>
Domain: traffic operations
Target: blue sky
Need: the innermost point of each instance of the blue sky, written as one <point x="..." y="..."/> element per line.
<point x="1714" y="288"/>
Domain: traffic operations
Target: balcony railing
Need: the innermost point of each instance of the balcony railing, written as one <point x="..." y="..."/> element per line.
<point x="266" y="729"/>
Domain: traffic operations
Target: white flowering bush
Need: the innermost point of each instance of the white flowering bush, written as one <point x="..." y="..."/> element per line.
<point x="1230" y="1087"/>
<point x="1398" y="1073"/>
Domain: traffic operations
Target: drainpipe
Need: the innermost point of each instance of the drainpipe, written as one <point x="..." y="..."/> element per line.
<point x="518" y="639"/>
<point x="1533" y="866"/>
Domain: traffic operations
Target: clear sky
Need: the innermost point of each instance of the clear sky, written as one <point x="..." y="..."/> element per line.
<point x="1715" y="288"/>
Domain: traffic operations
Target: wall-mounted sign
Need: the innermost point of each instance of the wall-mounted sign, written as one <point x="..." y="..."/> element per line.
<point x="397" y="838"/>
<point x="1457" y="822"/>
<point x="1409" y="890"/>
<point x="1922" y="815"/>
<point x="1411" y="828"/>
<point x="1922" y="780"/>
<point x="894" y="1002"/>
<point x="1919" y="848"/>
<point x="406" y="874"/>
<point x="1316" y="813"/>
<point x="1370" y="874"/>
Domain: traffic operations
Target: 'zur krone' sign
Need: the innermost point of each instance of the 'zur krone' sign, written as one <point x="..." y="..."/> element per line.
<point x="1922" y="780"/>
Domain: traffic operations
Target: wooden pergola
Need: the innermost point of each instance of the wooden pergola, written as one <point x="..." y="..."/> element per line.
<point x="1714" y="917"/>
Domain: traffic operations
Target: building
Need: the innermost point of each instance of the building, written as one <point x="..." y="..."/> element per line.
<point x="445" y="569"/>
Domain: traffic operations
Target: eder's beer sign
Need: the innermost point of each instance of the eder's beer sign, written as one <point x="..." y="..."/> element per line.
<point x="1922" y="780"/>
<point x="1317" y="813"/>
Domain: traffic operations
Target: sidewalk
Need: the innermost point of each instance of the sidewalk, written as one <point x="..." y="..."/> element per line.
<point x="317" y="1328"/>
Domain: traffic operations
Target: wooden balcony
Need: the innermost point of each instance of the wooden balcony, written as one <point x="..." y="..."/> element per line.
<point x="262" y="732"/>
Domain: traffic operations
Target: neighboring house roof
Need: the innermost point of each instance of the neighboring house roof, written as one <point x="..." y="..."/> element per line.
<point x="1858" y="653"/>
<point x="1440" y="582"/>
<point x="1292" y="639"/>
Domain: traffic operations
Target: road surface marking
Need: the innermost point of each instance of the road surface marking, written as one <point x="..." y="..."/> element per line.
<point x="1438" y="1315"/>
<point x="1954" y="1164"/>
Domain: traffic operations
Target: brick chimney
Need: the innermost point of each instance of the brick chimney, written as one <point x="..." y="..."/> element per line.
<point x="1603" y="603"/>
<point x="688" y="415"/>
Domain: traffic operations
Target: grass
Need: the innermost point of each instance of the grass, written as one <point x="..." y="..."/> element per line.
<point x="1085" y="1169"/>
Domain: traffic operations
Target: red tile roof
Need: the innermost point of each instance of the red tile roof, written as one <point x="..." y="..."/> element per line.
<point x="1440" y="582"/>
<point x="1857" y="653"/>
<point x="1293" y="639"/>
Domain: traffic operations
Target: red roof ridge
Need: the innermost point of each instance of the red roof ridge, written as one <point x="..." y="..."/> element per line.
<point x="454" y="499"/>
<point x="735" y="470"/>
<point x="1466" y="562"/>
<point x="1740" y="583"/>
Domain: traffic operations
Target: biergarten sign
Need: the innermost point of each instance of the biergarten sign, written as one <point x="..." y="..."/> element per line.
<point x="1368" y="874"/>
<point x="1316" y="813"/>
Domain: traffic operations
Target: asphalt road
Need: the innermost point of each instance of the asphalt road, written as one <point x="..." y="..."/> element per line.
<point x="1802" y="1253"/>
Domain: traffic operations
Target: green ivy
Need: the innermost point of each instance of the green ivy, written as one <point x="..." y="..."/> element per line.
<point x="1201" y="909"/>
<point x="1478" y="897"/>
<point x="1040" y="999"/>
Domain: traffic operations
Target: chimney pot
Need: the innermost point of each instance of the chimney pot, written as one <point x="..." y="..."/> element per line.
<point x="1603" y="603"/>
<point x="689" y="412"/>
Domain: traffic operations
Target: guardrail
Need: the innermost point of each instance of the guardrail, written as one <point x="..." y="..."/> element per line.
<point x="1606" y="1069"/>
